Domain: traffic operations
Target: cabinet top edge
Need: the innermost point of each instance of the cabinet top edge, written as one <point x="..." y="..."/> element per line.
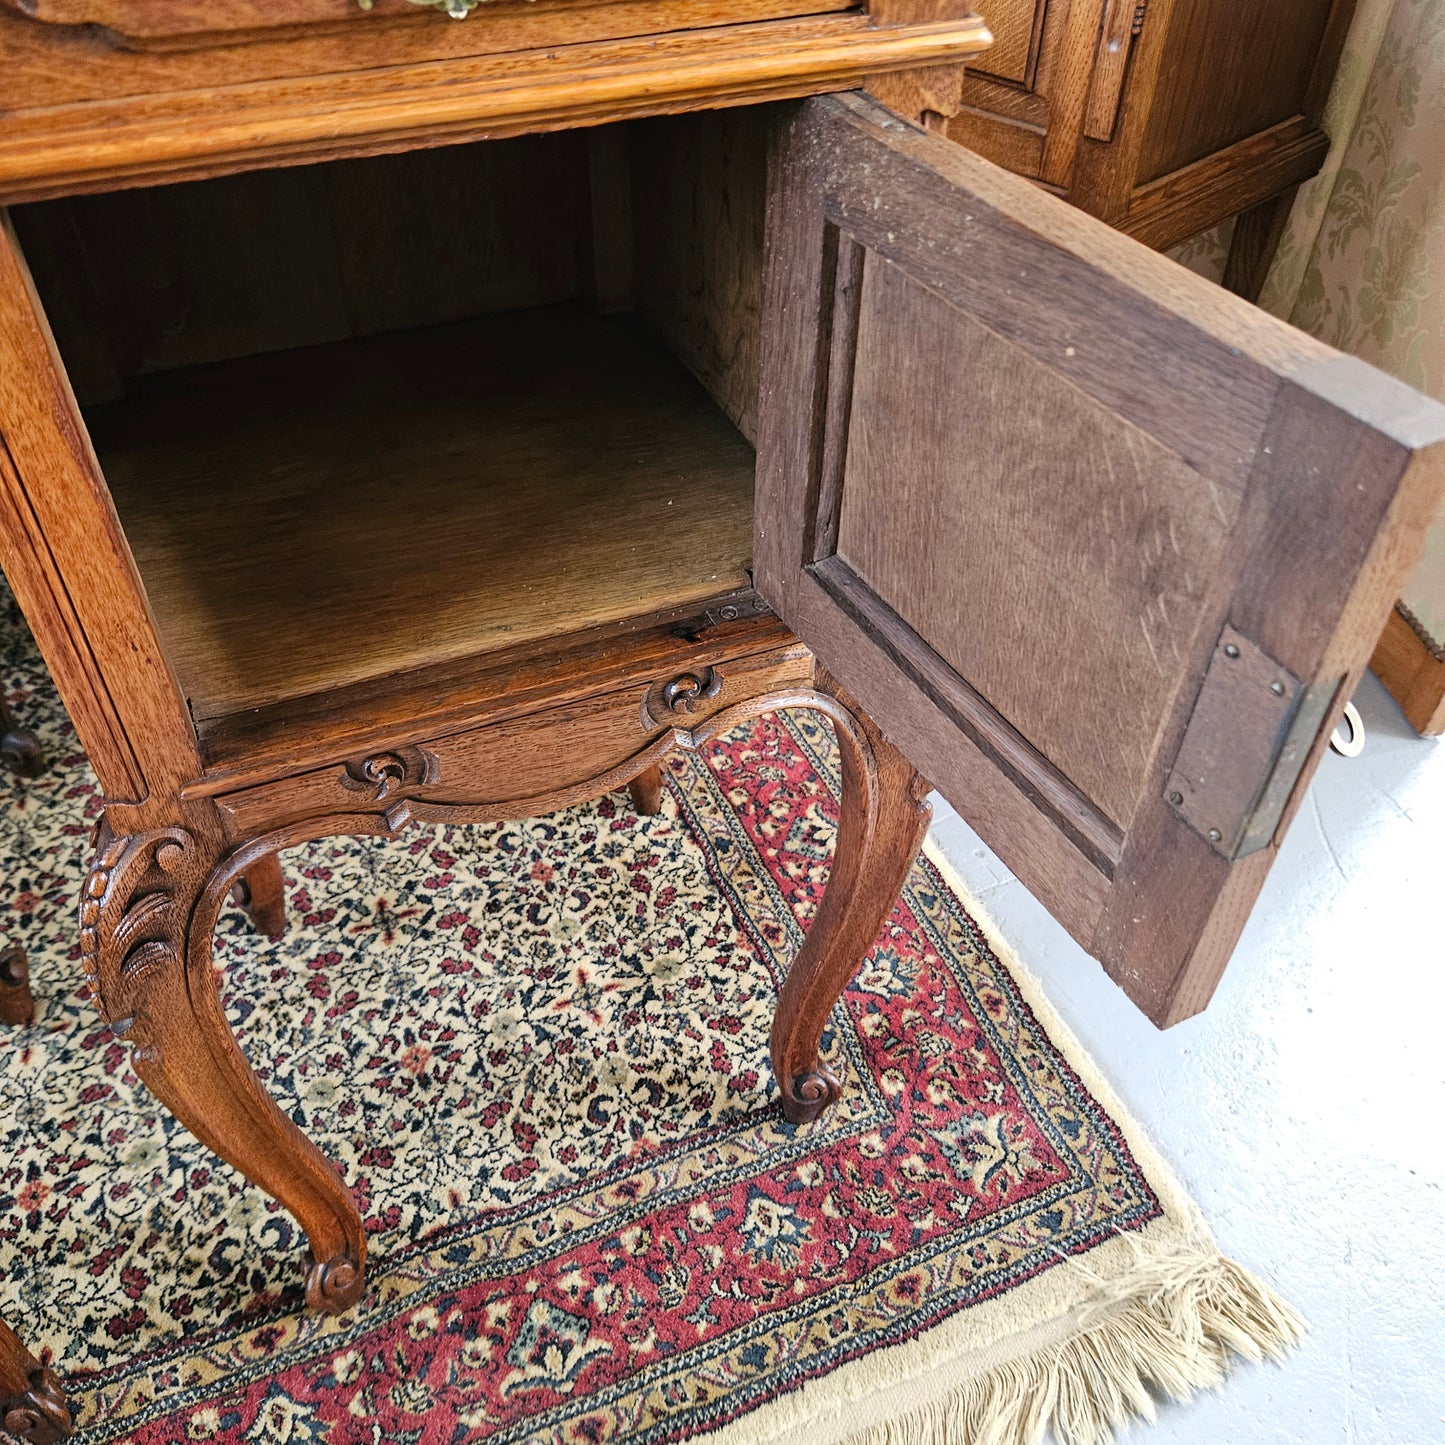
<point x="192" y="134"/>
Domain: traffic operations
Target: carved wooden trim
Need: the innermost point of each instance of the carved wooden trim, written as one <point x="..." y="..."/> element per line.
<point x="133" y="916"/>
<point x="1412" y="670"/>
<point x="1434" y="648"/>
<point x="146" y="919"/>
<point x="680" y="696"/>
<point x="383" y="774"/>
<point x="152" y="899"/>
<point x="186" y="134"/>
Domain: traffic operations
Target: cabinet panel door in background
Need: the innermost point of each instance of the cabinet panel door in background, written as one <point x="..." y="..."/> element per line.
<point x="1102" y="548"/>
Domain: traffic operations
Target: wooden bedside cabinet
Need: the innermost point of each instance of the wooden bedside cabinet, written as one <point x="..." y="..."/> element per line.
<point x="409" y="419"/>
<point x="1162" y="117"/>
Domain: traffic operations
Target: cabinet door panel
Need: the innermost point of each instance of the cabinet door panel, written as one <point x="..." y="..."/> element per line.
<point x="1101" y="547"/>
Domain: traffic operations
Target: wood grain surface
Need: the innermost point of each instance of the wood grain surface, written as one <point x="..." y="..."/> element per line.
<point x="318" y="517"/>
<point x="223" y="125"/>
<point x="1413" y="674"/>
<point x="1060" y="467"/>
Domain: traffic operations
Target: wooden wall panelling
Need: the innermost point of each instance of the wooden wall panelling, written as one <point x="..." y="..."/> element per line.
<point x="84" y="317"/>
<point x="178" y="275"/>
<point x="698" y="204"/>
<point x="72" y="571"/>
<point x="1015" y="26"/>
<point x="1123" y="20"/>
<point x="1065" y="74"/>
<point x="171" y="276"/>
<point x="609" y="238"/>
<point x="1249" y="173"/>
<point x="1229" y="69"/>
<point x="1033" y="128"/>
<point x="1103" y="172"/>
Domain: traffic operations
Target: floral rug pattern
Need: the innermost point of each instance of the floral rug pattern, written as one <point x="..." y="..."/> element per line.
<point x="538" y="1051"/>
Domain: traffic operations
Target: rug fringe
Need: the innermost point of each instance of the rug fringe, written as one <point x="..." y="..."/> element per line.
<point x="1170" y="1327"/>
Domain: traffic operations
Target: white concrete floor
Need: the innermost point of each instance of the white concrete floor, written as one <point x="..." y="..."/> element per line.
<point x="1305" y="1108"/>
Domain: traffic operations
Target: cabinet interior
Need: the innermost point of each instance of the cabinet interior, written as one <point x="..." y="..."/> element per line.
<point x="366" y="417"/>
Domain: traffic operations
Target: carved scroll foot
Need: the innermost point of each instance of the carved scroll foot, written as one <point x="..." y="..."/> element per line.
<point x="17" y="1003"/>
<point x="32" y="1404"/>
<point x="335" y="1284"/>
<point x="20" y="749"/>
<point x="646" y="792"/>
<point x="882" y="819"/>
<point x="148" y="911"/>
<point x="261" y="892"/>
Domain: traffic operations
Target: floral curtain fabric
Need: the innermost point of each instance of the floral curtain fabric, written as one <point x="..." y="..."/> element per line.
<point x="1362" y="263"/>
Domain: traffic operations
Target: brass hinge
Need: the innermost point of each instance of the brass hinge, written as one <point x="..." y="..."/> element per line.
<point x="1139" y="10"/>
<point x="1248" y="739"/>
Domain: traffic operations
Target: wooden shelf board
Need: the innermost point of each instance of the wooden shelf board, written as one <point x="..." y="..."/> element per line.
<point x="311" y="519"/>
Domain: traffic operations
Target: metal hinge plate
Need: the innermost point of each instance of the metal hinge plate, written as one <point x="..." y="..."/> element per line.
<point x="1248" y="739"/>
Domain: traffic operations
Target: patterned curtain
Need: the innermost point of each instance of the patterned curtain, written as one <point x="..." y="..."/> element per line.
<point x="1362" y="264"/>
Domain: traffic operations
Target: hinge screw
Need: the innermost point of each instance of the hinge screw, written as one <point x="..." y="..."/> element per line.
<point x="1177" y="799"/>
<point x="1215" y="835"/>
<point x="1230" y="650"/>
<point x="1277" y="688"/>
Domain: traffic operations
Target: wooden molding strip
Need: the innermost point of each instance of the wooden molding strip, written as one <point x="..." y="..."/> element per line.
<point x="1412" y="671"/>
<point x="1193" y="198"/>
<point x="144" y="140"/>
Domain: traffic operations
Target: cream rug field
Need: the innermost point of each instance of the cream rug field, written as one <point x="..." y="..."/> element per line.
<point x="539" y="1052"/>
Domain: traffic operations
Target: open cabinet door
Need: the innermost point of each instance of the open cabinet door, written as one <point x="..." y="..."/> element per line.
<point x="1100" y="547"/>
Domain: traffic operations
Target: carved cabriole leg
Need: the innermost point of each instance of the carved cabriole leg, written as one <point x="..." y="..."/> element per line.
<point x="17" y="1003"/>
<point x="646" y="791"/>
<point x="261" y="891"/>
<point x="152" y="899"/>
<point x="882" y="817"/>
<point x="148" y="909"/>
<point x="32" y="1405"/>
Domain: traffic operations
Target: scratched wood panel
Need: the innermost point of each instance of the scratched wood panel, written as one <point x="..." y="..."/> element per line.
<point x="1058" y="567"/>
<point x="1016" y="475"/>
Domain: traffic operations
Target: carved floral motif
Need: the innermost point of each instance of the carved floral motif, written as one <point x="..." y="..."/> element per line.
<point x="382" y="775"/>
<point x="133" y="915"/>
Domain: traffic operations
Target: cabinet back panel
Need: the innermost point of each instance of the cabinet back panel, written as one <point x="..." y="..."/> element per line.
<point x="151" y="280"/>
<point x="1230" y="68"/>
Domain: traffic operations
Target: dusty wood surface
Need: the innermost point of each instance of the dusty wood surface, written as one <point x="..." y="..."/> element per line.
<point x="307" y="520"/>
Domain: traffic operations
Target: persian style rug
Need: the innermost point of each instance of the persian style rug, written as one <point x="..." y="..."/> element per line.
<point x="539" y="1052"/>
